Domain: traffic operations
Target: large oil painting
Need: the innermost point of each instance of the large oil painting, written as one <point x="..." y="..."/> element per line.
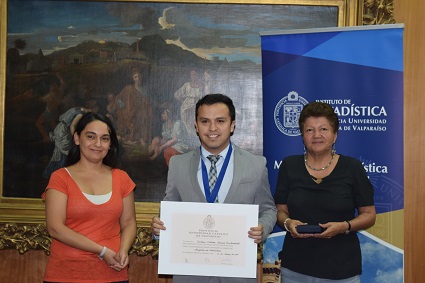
<point x="144" y="64"/>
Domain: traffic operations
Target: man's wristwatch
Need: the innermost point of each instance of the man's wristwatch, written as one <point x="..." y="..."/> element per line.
<point x="349" y="227"/>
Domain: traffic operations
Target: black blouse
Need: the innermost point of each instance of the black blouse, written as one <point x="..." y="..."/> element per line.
<point x="335" y="199"/>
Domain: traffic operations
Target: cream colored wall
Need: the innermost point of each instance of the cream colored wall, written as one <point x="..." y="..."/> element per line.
<point x="410" y="12"/>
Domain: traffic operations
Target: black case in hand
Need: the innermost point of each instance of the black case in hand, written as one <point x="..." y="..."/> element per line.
<point x="309" y="229"/>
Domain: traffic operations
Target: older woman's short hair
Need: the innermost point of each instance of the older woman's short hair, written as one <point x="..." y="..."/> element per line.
<point x="319" y="109"/>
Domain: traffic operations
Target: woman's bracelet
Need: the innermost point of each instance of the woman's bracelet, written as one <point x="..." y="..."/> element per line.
<point x="284" y="223"/>
<point x="349" y="227"/>
<point x="102" y="253"/>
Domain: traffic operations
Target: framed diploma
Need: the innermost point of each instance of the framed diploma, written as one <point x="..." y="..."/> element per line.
<point x="208" y="239"/>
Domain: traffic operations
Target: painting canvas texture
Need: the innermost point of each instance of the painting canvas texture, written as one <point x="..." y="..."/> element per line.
<point x="143" y="64"/>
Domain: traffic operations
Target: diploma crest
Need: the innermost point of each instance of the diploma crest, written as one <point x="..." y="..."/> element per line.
<point x="209" y="222"/>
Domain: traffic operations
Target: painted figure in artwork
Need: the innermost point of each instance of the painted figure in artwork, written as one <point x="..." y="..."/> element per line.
<point x="134" y="111"/>
<point x="188" y="95"/>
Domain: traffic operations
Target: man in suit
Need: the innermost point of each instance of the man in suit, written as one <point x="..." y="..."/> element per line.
<point x="241" y="176"/>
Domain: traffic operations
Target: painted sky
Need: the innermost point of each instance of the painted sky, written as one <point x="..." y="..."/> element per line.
<point x="382" y="262"/>
<point x="223" y="30"/>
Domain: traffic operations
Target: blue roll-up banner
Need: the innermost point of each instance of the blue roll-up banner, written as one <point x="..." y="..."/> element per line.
<point x="359" y="72"/>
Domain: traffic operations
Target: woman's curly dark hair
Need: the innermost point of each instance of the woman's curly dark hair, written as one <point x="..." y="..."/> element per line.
<point x="111" y="158"/>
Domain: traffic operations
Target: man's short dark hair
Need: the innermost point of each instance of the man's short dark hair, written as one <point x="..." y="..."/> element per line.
<point x="214" y="98"/>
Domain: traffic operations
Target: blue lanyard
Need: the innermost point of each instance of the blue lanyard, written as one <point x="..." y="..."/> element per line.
<point x="211" y="196"/>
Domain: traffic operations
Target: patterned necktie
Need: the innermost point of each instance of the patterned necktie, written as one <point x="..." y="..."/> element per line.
<point x="212" y="176"/>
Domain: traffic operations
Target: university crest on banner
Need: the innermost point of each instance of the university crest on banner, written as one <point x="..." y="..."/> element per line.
<point x="287" y="112"/>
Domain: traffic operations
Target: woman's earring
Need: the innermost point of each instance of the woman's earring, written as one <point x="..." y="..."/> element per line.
<point x="305" y="150"/>
<point x="333" y="149"/>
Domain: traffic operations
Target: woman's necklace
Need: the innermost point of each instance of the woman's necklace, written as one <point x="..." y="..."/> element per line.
<point x="318" y="169"/>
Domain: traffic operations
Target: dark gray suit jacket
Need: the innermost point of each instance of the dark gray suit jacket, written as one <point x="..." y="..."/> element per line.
<point x="250" y="185"/>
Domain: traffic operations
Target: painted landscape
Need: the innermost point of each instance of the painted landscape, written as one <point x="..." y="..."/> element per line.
<point x="67" y="54"/>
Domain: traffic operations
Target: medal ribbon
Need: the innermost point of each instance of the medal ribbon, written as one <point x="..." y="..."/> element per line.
<point x="211" y="196"/>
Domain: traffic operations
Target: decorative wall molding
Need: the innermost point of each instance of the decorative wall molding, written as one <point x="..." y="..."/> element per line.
<point x="25" y="237"/>
<point x="378" y="12"/>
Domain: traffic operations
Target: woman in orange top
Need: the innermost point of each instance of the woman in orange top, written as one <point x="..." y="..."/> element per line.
<point x="90" y="209"/>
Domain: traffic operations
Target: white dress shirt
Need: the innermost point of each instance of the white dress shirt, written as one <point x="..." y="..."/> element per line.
<point x="228" y="177"/>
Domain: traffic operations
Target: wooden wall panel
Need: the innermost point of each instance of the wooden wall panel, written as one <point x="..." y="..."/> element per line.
<point x="17" y="268"/>
<point x="29" y="268"/>
<point x="145" y="269"/>
<point x="410" y="12"/>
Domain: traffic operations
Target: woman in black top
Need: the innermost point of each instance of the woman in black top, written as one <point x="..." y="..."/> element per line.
<point x="325" y="189"/>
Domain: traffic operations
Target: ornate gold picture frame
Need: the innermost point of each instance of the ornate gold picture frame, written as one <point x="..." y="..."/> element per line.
<point x="25" y="215"/>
